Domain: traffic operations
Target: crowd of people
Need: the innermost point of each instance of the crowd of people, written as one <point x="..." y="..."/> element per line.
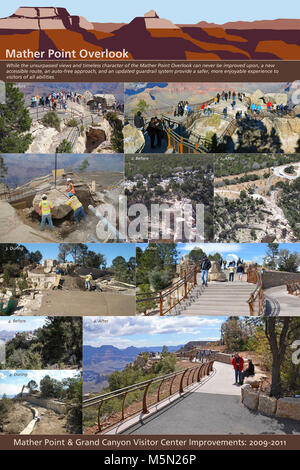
<point x="182" y="109"/>
<point x="55" y="100"/>
<point x="233" y="267"/>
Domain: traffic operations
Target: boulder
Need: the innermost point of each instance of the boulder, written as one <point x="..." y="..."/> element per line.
<point x="267" y="405"/>
<point x="95" y="134"/>
<point x="250" y="398"/>
<point x="58" y="198"/>
<point x="243" y="388"/>
<point x="277" y="98"/>
<point x="255" y="381"/>
<point x="288" y="407"/>
<point x="133" y="139"/>
<point x="215" y="272"/>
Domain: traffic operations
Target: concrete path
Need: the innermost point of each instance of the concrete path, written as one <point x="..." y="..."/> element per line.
<point x="77" y="303"/>
<point x="213" y="408"/>
<point x="279" y="302"/>
<point x="30" y="426"/>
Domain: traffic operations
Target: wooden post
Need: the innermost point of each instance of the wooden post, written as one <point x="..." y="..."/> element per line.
<point x="185" y="287"/>
<point x="160" y="304"/>
<point x="169" y="137"/>
<point x="251" y="305"/>
<point x="181" y="145"/>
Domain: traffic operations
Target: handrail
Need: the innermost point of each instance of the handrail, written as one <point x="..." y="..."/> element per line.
<point x="172" y="295"/>
<point x="190" y="375"/>
<point x="256" y="301"/>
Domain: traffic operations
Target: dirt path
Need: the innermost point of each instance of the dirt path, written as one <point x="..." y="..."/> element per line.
<point x="18" y="418"/>
<point x="77" y="303"/>
<point x="50" y="422"/>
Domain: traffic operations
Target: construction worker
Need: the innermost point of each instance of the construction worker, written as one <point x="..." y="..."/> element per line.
<point x="71" y="188"/>
<point x="77" y="207"/>
<point x="45" y="212"/>
<point x="88" y="280"/>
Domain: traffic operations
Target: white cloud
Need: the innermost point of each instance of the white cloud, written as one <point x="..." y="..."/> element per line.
<point x="118" y="330"/>
<point x="211" y="248"/>
<point x="9" y="389"/>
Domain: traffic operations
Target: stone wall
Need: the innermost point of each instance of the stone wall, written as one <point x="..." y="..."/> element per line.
<point x="288" y="407"/>
<point x="277" y="278"/>
<point x="57" y="406"/>
<point x="222" y="357"/>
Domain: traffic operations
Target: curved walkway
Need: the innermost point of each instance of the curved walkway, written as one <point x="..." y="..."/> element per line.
<point x="279" y="302"/>
<point x="212" y="408"/>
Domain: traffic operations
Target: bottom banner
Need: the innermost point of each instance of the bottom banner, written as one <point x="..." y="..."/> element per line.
<point x="113" y="445"/>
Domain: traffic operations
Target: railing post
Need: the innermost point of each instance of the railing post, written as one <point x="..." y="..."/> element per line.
<point x="251" y="305"/>
<point x="145" y="409"/>
<point x="160" y="304"/>
<point x="181" y="389"/>
<point x="169" y="138"/>
<point x="99" y="410"/>
<point x="185" y="287"/>
<point x="123" y="411"/>
<point x="195" y="276"/>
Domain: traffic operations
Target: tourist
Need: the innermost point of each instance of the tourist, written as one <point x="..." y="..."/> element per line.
<point x="231" y="270"/>
<point x="238" y="365"/>
<point x="77" y="207"/>
<point x="205" y="267"/>
<point x="139" y="121"/>
<point x="240" y="271"/>
<point x="249" y="372"/>
<point x="45" y="212"/>
<point x="225" y="112"/>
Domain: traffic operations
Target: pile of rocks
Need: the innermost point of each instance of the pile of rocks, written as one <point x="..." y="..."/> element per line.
<point x="287" y="407"/>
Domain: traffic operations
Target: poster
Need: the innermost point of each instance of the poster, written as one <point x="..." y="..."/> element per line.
<point x="149" y="229"/>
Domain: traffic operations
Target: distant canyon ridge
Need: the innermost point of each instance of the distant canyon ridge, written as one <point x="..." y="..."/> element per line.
<point x="150" y="37"/>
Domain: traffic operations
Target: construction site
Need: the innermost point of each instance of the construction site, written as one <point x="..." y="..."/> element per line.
<point x="41" y="403"/>
<point x="78" y="280"/>
<point x="224" y="117"/>
<point x="95" y="181"/>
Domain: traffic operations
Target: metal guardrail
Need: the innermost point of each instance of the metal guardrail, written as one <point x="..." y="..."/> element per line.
<point x="186" y="377"/>
<point x="256" y="301"/>
<point x="166" y="299"/>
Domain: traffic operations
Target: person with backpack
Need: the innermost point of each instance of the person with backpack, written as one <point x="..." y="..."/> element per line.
<point x="205" y="267"/>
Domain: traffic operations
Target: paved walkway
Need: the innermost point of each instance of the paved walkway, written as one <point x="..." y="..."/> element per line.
<point x="213" y="408"/>
<point x="279" y="302"/>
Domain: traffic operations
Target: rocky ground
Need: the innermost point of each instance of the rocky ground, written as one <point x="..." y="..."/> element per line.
<point x="17" y="419"/>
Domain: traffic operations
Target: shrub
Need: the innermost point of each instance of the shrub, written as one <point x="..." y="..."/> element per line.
<point x="51" y="119"/>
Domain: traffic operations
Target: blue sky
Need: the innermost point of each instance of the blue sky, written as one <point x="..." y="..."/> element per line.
<point x="190" y="11"/>
<point x="122" y="332"/>
<point x="11" y="381"/>
<point x="21" y="323"/>
<point x="109" y="250"/>
<point x="232" y="251"/>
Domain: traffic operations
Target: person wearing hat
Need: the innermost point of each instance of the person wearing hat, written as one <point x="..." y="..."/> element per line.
<point x="71" y="188"/>
<point x="77" y="207"/>
<point x="88" y="280"/>
<point x="45" y="212"/>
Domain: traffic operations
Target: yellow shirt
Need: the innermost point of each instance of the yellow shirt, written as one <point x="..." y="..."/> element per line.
<point x="46" y="207"/>
<point x="74" y="203"/>
<point x="88" y="277"/>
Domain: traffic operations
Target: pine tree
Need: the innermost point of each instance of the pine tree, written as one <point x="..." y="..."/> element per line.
<point x="15" y="122"/>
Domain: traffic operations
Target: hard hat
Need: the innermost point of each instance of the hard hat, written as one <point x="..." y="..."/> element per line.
<point x="69" y="179"/>
<point x="44" y="195"/>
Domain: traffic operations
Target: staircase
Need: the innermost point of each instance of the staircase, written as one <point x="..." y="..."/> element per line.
<point x="219" y="298"/>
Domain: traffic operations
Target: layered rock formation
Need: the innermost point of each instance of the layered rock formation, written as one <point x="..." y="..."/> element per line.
<point x="44" y="18"/>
